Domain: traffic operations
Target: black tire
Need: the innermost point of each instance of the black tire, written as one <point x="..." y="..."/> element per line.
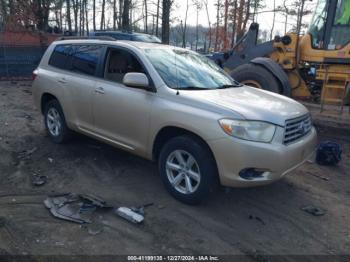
<point x="258" y="74"/>
<point x="206" y="163"/>
<point x="64" y="133"/>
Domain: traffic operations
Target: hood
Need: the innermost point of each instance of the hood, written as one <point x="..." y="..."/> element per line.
<point x="251" y="103"/>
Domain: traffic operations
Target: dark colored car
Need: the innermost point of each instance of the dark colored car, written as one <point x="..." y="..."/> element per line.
<point x="130" y="36"/>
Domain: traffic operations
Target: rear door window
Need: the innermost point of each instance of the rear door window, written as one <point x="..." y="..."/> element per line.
<point x="60" y="56"/>
<point x="85" y="59"/>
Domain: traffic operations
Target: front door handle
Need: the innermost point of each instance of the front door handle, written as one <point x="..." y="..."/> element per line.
<point x="100" y="90"/>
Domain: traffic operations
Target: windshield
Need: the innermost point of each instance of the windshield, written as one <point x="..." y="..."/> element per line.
<point x="317" y="26"/>
<point x="342" y="16"/>
<point x="183" y="69"/>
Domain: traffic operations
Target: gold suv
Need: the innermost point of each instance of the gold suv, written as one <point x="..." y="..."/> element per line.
<point x="173" y="106"/>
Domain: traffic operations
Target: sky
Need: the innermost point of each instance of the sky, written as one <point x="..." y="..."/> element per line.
<point x="264" y="19"/>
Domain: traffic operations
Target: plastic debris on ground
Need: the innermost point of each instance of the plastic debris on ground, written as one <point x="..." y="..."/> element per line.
<point x="79" y="208"/>
<point x="73" y="207"/>
<point x="315" y="211"/>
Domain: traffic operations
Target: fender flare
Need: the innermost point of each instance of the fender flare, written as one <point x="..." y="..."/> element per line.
<point x="277" y="71"/>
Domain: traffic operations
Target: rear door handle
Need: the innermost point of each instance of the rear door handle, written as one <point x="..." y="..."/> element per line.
<point x="100" y="90"/>
<point x="62" y="81"/>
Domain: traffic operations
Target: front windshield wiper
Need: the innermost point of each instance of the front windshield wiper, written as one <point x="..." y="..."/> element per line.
<point x="207" y="88"/>
<point x="191" y="88"/>
<point x="229" y="86"/>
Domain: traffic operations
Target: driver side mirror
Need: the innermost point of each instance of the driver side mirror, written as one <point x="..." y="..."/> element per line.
<point x="137" y="80"/>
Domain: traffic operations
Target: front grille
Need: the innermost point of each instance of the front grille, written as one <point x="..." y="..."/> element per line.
<point x="296" y="128"/>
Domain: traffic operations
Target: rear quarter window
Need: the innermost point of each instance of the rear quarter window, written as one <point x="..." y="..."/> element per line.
<point x="60" y="56"/>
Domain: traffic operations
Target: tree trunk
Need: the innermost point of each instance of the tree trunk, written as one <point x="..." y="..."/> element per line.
<point x="146" y="17"/>
<point x="86" y="17"/>
<point x="210" y="31"/>
<point x="166" y="21"/>
<point x="75" y="10"/>
<point x="69" y="20"/>
<point x="81" y="18"/>
<point x="157" y="22"/>
<point x="102" y="14"/>
<point x="185" y="27"/>
<point x="225" y="24"/>
<point x="114" y="14"/>
<point x="234" y="24"/>
<point x="197" y="33"/>
<point x="121" y="8"/>
<point x="94" y="15"/>
<point x="217" y="25"/>
<point x="126" y="16"/>
<point x="273" y="19"/>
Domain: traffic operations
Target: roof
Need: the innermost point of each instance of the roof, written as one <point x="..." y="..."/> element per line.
<point x="139" y="45"/>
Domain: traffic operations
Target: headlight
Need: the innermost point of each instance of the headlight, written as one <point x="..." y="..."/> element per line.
<point x="249" y="130"/>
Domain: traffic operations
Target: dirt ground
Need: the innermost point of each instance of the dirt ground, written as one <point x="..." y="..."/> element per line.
<point x="264" y="220"/>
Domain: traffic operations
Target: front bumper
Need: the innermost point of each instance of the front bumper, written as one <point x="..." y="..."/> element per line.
<point x="276" y="159"/>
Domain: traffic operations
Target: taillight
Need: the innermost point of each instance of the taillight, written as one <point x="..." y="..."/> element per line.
<point x="34" y="74"/>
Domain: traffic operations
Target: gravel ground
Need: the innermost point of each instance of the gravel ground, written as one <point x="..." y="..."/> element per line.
<point x="259" y="221"/>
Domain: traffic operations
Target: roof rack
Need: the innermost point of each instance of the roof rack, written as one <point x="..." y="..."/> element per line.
<point x="106" y="38"/>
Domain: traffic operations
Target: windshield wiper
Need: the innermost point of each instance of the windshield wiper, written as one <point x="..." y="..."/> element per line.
<point x="191" y="88"/>
<point x="229" y="86"/>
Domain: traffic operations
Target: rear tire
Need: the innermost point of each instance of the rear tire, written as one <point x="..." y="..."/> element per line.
<point x="255" y="73"/>
<point x="198" y="168"/>
<point x="55" y="122"/>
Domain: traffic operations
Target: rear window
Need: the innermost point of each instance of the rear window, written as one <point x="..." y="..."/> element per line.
<point x="77" y="58"/>
<point x="85" y="58"/>
<point x="60" y="56"/>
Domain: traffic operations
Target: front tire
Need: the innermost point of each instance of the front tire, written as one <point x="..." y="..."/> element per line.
<point x="256" y="76"/>
<point x="188" y="169"/>
<point x="55" y="122"/>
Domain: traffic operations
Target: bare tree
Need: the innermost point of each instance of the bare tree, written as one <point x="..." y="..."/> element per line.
<point x="198" y="5"/>
<point x="114" y="14"/>
<point x="157" y="20"/>
<point x="225" y="23"/>
<point x="146" y="17"/>
<point x="86" y="17"/>
<point x="126" y="15"/>
<point x="184" y="27"/>
<point x="41" y="9"/>
<point x="94" y="15"/>
<point x="75" y="11"/>
<point x="273" y="19"/>
<point x="69" y="19"/>
<point x="205" y="2"/>
<point x="102" y="14"/>
<point x="218" y="5"/>
<point x="166" y="21"/>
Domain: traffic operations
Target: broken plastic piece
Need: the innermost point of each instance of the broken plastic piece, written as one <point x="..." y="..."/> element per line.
<point x="73" y="207"/>
<point x="94" y="200"/>
<point x="129" y="215"/>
